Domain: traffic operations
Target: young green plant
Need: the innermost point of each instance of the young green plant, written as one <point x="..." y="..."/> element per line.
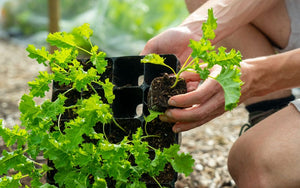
<point x="205" y="57"/>
<point x="79" y="163"/>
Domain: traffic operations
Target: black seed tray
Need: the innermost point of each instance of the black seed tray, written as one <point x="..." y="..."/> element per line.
<point x="132" y="80"/>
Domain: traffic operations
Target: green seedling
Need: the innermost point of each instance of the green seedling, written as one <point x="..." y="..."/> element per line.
<point x="78" y="163"/>
<point x="204" y="57"/>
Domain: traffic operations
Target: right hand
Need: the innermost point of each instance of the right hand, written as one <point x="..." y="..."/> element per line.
<point x="172" y="41"/>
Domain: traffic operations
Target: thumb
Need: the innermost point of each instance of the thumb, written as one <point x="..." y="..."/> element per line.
<point x="150" y="47"/>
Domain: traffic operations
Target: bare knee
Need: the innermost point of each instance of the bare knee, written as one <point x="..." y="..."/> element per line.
<point x="248" y="165"/>
<point x="268" y="155"/>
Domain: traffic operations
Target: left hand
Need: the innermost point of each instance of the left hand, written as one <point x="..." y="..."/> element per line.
<point x="201" y="104"/>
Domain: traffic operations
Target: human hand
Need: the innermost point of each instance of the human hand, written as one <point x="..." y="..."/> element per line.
<point x="172" y="41"/>
<point x="202" y="103"/>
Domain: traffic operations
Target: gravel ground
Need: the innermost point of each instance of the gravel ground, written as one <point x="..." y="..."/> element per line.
<point x="209" y="144"/>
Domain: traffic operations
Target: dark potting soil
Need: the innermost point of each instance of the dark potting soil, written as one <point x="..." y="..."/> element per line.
<point x="164" y="136"/>
<point x="116" y="134"/>
<point x="160" y="92"/>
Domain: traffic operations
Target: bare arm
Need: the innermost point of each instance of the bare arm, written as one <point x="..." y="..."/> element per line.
<point x="192" y="5"/>
<point x="264" y="75"/>
<point x="231" y="14"/>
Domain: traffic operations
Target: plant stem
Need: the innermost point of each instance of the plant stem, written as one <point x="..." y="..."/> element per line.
<point x="36" y="163"/>
<point x="157" y="181"/>
<point x="103" y="129"/>
<point x="171" y="69"/>
<point x="146" y="128"/>
<point x="24" y="176"/>
<point x="149" y="136"/>
<point x="67" y="91"/>
<point x="90" y="42"/>
<point x="184" y="67"/>
<point x="58" y="123"/>
<point x="152" y="148"/>
<point x="177" y="76"/>
<point x="93" y="88"/>
<point x="118" y="125"/>
<point x="187" y="60"/>
<point x="82" y="49"/>
<point x="70" y="107"/>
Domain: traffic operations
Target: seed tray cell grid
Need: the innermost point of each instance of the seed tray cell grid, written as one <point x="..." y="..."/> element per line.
<point x="131" y="80"/>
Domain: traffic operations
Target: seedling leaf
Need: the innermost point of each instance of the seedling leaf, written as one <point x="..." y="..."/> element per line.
<point x="153" y="114"/>
<point x="230" y="81"/>
<point x="41" y="55"/>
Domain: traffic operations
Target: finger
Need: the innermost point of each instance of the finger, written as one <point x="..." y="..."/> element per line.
<point x="150" y="47"/>
<point x="191" y="86"/>
<point x="192" y="114"/>
<point x="170" y="115"/>
<point x="199" y="96"/>
<point x="185" y="126"/>
<point x="190" y="76"/>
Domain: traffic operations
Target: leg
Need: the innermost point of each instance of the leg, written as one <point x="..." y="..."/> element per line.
<point x="268" y="155"/>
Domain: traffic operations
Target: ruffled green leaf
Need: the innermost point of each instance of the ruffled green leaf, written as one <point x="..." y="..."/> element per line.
<point x="62" y="40"/>
<point x="108" y="91"/>
<point x="28" y="108"/>
<point x="231" y="84"/>
<point x="50" y="110"/>
<point x="11" y="182"/>
<point x="84" y="30"/>
<point x="154" y="59"/>
<point x="11" y="136"/>
<point x="98" y="60"/>
<point x="157" y="60"/>
<point x="181" y="162"/>
<point x="41" y="55"/>
<point x="80" y="78"/>
<point x="209" y="26"/>
<point x="94" y="110"/>
<point x="41" y="84"/>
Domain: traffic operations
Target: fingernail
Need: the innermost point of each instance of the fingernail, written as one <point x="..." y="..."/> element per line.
<point x="177" y="130"/>
<point x="168" y="113"/>
<point x="163" y="118"/>
<point x="172" y="102"/>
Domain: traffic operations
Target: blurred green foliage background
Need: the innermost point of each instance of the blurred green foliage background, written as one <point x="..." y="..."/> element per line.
<point x="121" y="27"/>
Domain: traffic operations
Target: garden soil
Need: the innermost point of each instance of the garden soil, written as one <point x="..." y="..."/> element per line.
<point x="208" y="144"/>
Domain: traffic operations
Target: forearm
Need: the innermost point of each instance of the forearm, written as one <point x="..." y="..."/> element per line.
<point x="231" y="14"/>
<point x="272" y="73"/>
<point x="192" y="5"/>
